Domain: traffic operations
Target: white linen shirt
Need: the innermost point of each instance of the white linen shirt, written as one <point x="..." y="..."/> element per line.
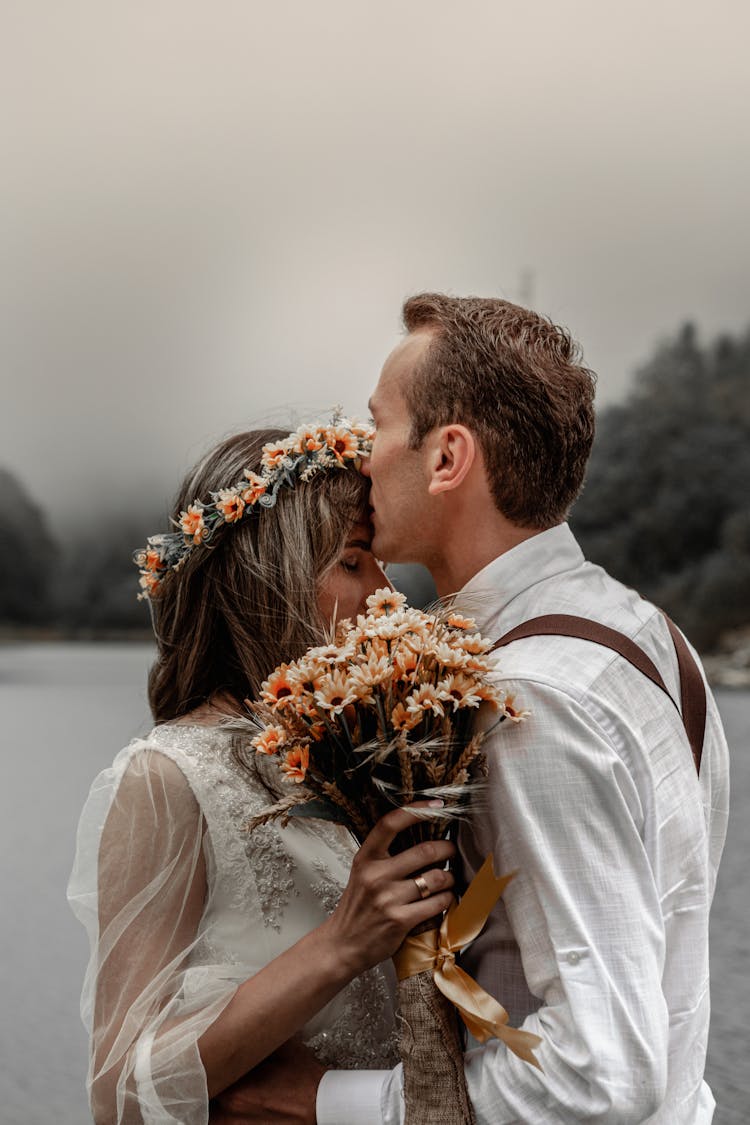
<point x="600" y="944"/>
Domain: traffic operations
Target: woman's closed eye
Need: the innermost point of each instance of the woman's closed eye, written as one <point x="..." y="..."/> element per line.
<point x="354" y="576"/>
<point x="350" y="564"/>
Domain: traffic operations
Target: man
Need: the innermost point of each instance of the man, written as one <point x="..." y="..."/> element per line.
<point x="484" y="421"/>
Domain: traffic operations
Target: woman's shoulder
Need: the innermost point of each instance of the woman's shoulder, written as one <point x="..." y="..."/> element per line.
<point x="216" y="760"/>
<point x="203" y="754"/>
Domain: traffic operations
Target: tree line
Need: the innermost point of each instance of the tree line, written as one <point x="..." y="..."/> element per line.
<point x="666" y="505"/>
<point x="665" y="508"/>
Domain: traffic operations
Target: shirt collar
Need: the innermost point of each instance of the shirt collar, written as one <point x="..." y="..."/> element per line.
<point x="545" y="555"/>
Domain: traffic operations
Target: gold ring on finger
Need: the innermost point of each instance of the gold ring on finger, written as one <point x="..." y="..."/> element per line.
<point x="422" y="886"/>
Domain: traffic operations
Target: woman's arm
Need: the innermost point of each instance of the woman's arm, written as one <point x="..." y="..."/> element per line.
<point x="150" y="1058"/>
<point x="376" y="912"/>
<point x="151" y="889"/>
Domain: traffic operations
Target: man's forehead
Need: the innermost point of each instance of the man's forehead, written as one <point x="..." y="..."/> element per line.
<point x="400" y="364"/>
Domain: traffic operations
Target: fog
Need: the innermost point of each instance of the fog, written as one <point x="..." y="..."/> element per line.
<point x="212" y="213"/>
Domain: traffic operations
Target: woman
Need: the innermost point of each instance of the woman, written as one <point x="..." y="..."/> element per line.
<point x="211" y="946"/>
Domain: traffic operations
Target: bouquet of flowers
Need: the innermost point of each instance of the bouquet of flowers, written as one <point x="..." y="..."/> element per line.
<point x="380" y="717"/>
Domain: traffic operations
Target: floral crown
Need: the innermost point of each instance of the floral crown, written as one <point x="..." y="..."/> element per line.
<point x="309" y="450"/>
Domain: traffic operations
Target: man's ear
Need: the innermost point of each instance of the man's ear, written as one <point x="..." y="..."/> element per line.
<point x="452" y="456"/>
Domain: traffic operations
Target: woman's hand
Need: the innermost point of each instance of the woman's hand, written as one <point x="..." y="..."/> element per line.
<point x="382" y="902"/>
<point x="380" y="905"/>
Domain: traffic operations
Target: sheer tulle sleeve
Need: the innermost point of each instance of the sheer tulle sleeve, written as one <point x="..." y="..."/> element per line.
<point x="139" y="886"/>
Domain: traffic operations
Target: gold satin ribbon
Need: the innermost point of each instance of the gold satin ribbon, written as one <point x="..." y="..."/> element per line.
<point x="436" y="950"/>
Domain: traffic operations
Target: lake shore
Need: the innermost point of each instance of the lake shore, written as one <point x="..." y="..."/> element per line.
<point x="726" y="666"/>
<point x="67" y="710"/>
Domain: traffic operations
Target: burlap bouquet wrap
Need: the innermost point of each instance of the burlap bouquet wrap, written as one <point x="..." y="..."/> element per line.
<point x="431" y="1048"/>
<point x="433" y="988"/>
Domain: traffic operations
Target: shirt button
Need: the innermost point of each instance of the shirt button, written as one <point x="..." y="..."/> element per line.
<point x="573" y="958"/>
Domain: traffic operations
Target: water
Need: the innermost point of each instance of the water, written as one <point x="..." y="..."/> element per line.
<point x="66" y="710"/>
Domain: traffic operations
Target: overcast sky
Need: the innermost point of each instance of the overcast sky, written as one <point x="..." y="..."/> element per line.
<point x="211" y="212"/>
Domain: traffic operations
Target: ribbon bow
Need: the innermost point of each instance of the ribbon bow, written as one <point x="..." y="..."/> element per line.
<point x="436" y="950"/>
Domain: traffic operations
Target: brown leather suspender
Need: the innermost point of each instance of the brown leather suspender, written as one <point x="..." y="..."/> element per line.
<point x="692" y="690"/>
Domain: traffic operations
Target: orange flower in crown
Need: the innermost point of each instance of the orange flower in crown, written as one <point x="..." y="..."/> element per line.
<point x="308" y="439"/>
<point x="230" y="504"/>
<point x="153" y="560"/>
<point x="149" y="583"/>
<point x="150" y="560"/>
<point x="256" y="487"/>
<point x="342" y="443"/>
<point x="284" y="464"/>
<point x="192" y="524"/>
<point x="273" y="454"/>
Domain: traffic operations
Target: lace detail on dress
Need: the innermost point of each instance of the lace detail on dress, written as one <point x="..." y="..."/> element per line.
<point x="273" y="870"/>
<point x="363" y="1036"/>
<point x="327" y="888"/>
<point x="226" y="796"/>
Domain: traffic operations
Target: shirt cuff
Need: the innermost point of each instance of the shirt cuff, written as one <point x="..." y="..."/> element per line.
<point x="346" y="1096"/>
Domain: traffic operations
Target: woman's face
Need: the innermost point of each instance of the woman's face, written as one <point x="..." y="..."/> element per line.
<point x="356" y="573"/>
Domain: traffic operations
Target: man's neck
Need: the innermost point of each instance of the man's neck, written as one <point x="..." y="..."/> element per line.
<point x="469" y="550"/>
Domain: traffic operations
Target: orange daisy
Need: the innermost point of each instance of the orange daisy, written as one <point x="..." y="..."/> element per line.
<point x="460" y="690"/>
<point x="425" y="698"/>
<point x="295" y="764"/>
<point x="270" y="740"/>
<point x="308" y="440"/>
<point x="515" y="714"/>
<point x="149" y="559"/>
<point x="458" y="621"/>
<point x="384" y="602"/>
<point x="273" y="454"/>
<point x="280" y="687"/>
<point x="406" y="660"/>
<point x="335" y="693"/>
<point x="192" y="524"/>
<point x="402" y="719"/>
<point x="256" y="487"/>
<point x="230" y="504"/>
<point x="342" y="443"/>
<point x="474" y="643"/>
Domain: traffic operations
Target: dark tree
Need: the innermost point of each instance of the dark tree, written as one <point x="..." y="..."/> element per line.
<point x="28" y="555"/>
<point x="667" y="498"/>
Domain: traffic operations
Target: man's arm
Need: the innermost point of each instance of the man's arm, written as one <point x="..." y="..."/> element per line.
<point x="281" y="1089"/>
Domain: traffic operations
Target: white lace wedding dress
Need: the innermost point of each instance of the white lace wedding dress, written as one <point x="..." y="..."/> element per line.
<point x="181" y="905"/>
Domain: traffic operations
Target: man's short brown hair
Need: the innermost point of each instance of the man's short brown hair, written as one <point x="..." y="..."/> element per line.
<point x="516" y="381"/>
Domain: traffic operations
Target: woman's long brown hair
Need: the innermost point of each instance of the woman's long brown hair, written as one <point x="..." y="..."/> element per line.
<point x="248" y="601"/>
